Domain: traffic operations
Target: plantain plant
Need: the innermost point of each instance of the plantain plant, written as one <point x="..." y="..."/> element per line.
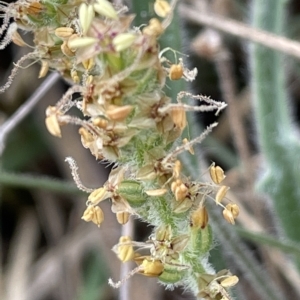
<point x="117" y="74"/>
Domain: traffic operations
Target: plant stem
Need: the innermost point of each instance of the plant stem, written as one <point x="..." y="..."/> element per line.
<point x="241" y="30"/>
<point x="26" y="108"/>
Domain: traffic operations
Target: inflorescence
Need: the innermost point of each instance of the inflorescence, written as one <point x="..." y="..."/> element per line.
<point x="119" y="72"/>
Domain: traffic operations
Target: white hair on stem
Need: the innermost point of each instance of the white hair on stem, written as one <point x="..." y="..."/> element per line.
<point x="15" y="70"/>
<point x="74" y="170"/>
<point x="187" y="146"/>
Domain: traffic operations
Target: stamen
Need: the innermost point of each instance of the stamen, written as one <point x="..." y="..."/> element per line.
<point x="74" y="170"/>
<point x="7" y="38"/>
<point x="186" y="146"/>
<point x="15" y="70"/>
<point x="66" y="103"/>
<point x="116" y="285"/>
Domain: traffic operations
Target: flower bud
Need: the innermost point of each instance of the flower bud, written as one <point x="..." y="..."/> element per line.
<point x="132" y="191"/>
<point x="201" y="239"/>
<point x="172" y="274"/>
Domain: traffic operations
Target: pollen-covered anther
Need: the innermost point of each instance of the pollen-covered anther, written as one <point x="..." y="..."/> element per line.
<point x="118" y="113"/>
<point x="234" y="209"/>
<point x="229" y="281"/>
<point x="64" y="32"/>
<point x="66" y="50"/>
<point x="97" y="195"/>
<point x="177" y="168"/>
<point x="98" y="217"/>
<point x="162" y="8"/>
<point x="17" y="39"/>
<point x="44" y="68"/>
<point x="228" y="216"/>
<point x="199" y="218"/>
<point x="190" y="148"/>
<point x="88" y="64"/>
<point x="123" y="41"/>
<point x="74" y="76"/>
<point x="51" y="121"/>
<point x="179" y="117"/>
<point x="157" y="193"/>
<point x="86" y="137"/>
<point x="179" y="190"/>
<point x="89" y="80"/>
<point x="100" y="122"/>
<point x="122" y="217"/>
<point x="124" y="249"/>
<point x="151" y="268"/>
<point x="79" y="42"/>
<point x="86" y="15"/>
<point x="221" y="193"/>
<point x="154" y="28"/>
<point x="216" y="174"/>
<point x="176" y="72"/>
<point x="106" y="9"/>
<point x="94" y="214"/>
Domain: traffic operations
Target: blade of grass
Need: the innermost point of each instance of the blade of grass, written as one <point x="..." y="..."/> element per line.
<point x="38" y="182"/>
